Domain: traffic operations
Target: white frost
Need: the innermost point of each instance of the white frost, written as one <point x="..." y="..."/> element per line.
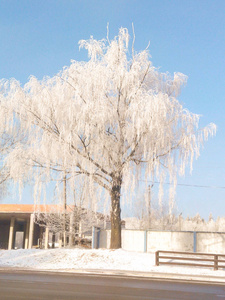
<point x="101" y="259"/>
<point x="112" y="116"/>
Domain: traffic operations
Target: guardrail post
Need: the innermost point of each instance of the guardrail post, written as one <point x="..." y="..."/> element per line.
<point x="195" y="241"/>
<point x="157" y="258"/>
<point x="215" y="262"/>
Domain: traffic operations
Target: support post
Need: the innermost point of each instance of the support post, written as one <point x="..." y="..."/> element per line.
<point x="215" y="262"/>
<point x="26" y="235"/>
<point x="11" y="233"/>
<point x="31" y="231"/>
<point x="46" y="237"/>
<point x="157" y="258"/>
<point x="195" y="241"/>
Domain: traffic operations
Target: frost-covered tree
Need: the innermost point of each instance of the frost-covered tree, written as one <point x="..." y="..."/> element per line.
<point x="71" y="226"/>
<point x="7" y="143"/>
<point x="110" y="119"/>
<point x="69" y="221"/>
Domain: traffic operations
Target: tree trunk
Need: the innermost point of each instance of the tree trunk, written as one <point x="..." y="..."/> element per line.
<point x="115" y="214"/>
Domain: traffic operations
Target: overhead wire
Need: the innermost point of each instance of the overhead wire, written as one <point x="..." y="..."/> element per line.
<point x="189" y="185"/>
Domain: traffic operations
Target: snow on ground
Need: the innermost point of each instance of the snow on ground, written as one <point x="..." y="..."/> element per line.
<point x="87" y="259"/>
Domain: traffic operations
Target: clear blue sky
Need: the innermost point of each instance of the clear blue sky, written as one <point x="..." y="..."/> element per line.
<point x="39" y="37"/>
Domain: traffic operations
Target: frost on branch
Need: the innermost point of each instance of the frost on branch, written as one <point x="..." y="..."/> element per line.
<point x="110" y="120"/>
<point x="7" y="143"/>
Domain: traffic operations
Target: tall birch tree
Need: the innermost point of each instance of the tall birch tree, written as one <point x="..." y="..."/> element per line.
<point x="110" y="119"/>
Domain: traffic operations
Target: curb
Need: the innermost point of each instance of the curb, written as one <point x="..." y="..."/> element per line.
<point x="204" y="279"/>
<point x="153" y="275"/>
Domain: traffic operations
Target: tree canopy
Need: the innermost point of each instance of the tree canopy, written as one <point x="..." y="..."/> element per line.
<point x="110" y="120"/>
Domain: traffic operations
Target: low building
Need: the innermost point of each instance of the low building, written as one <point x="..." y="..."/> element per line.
<point x="26" y="226"/>
<point x="17" y="226"/>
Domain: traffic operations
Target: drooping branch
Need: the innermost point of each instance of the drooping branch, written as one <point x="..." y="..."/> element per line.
<point x="95" y="177"/>
<point x="112" y="117"/>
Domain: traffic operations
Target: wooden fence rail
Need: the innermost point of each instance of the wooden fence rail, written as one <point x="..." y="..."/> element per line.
<point x="190" y="259"/>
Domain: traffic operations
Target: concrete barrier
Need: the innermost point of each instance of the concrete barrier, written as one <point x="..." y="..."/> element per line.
<point x="170" y="240"/>
<point x="133" y="240"/>
<point x="151" y="241"/>
<point x="210" y="242"/>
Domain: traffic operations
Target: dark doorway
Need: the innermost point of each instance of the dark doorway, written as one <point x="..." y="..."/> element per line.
<point x="4" y="234"/>
<point x="19" y="240"/>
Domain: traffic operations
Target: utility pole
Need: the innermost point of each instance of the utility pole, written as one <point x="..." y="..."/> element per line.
<point x="64" y="207"/>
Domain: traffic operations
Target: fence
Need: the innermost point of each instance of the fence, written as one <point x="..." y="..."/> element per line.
<point x="189" y="259"/>
<point x="151" y="241"/>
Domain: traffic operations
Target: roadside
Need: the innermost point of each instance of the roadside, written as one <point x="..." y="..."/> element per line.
<point x="203" y="279"/>
<point x="103" y="262"/>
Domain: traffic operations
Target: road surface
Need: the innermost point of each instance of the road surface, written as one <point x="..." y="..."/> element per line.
<point x="15" y="285"/>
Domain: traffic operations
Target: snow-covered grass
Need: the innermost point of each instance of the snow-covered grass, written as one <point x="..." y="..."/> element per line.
<point x="92" y="259"/>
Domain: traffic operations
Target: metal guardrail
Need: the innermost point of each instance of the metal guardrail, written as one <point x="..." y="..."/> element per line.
<point x="189" y="258"/>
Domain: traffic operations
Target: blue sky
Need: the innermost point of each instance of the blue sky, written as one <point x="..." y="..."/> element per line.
<point x="40" y="37"/>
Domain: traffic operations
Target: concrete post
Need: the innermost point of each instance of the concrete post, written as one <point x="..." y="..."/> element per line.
<point x="46" y="237"/>
<point x="11" y="233"/>
<point x="98" y="237"/>
<point x="93" y="238"/>
<point x="145" y="240"/>
<point x="26" y="235"/>
<point x="31" y="231"/>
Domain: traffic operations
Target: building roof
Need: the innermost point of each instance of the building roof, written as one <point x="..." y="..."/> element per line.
<point x="26" y="208"/>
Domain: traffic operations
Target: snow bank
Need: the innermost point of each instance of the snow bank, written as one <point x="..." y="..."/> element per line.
<point x="103" y="259"/>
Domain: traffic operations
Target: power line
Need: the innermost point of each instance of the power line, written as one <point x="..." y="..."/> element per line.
<point x="190" y="185"/>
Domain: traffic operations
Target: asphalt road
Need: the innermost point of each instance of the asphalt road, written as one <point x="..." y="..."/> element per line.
<point x="63" y="286"/>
